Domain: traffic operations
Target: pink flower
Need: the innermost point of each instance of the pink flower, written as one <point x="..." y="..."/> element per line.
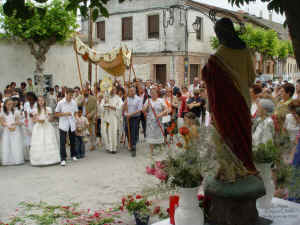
<point x="160" y="174"/>
<point x="160" y="165"/>
<point x="150" y="170"/>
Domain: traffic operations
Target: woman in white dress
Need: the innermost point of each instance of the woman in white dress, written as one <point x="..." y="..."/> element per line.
<point x="11" y="141"/>
<point x="44" y="148"/>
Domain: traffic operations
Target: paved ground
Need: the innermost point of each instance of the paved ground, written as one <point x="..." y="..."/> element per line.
<point x="98" y="181"/>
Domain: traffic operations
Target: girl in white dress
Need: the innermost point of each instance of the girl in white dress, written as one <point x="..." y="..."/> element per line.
<point x="29" y="108"/>
<point x="44" y="148"/>
<point x="11" y="141"/>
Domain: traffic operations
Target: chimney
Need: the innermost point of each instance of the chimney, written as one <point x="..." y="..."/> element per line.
<point x="270" y="16"/>
<point x="261" y="14"/>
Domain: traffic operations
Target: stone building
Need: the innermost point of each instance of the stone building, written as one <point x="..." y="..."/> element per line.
<point x="160" y="34"/>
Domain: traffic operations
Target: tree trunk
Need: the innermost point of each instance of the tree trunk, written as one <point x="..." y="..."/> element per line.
<point x="293" y="21"/>
<point x="39" y="51"/>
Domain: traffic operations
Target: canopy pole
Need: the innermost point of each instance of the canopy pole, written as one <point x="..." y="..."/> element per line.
<point x="96" y="95"/>
<point x="78" y="67"/>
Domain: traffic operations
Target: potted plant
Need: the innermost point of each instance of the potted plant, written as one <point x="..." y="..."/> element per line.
<point x="139" y="207"/>
<point x="264" y="156"/>
<point x="182" y="169"/>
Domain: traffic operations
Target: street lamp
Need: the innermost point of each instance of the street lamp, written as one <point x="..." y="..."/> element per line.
<point x="197" y="25"/>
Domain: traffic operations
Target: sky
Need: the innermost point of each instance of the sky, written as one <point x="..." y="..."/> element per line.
<point x="252" y="8"/>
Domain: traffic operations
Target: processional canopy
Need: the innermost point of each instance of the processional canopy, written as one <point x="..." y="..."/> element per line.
<point x="114" y="62"/>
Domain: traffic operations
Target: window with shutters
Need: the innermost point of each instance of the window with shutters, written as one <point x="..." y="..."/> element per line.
<point x="153" y="27"/>
<point x="127" y="29"/>
<point x="199" y="33"/>
<point x="101" y="30"/>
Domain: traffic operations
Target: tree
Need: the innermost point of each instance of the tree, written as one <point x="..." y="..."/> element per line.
<point x="291" y="10"/>
<point x="265" y="42"/>
<point x="24" y="12"/>
<point x="40" y="32"/>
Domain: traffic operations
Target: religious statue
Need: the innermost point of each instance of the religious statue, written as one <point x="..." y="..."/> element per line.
<point x="228" y="75"/>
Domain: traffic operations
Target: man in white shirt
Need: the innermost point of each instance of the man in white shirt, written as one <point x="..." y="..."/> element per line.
<point x="132" y="110"/>
<point x="66" y="110"/>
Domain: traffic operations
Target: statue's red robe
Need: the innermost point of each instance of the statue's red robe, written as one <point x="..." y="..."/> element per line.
<point x="230" y="111"/>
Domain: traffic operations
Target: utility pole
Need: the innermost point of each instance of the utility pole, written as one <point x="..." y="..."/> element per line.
<point x="90" y="43"/>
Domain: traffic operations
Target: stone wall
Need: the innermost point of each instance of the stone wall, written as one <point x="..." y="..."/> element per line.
<point x="17" y="64"/>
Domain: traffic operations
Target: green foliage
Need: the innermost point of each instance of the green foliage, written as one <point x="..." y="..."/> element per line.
<point x="284" y="174"/>
<point x="266" y="153"/>
<point x="283" y="50"/>
<point x="214" y="42"/>
<point x="137" y="205"/>
<point x="57" y="23"/>
<point x="184" y="169"/>
<point x="98" y="7"/>
<point x="276" y="5"/>
<point x="265" y="42"/>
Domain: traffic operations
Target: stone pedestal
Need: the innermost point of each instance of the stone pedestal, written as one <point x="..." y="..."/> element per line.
<point x="234" y="203"/>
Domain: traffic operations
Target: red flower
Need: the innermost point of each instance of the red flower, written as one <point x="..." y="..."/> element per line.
<point x="123" y="201"/>
<point x="179" y="145"/>
<point x="169" y="130"/>
<point x="150" y="170"/>
<point x="200" y="197"/>
<point x="85" y="57"/>
<point x="138" y="197"/>
<point x="148" y="203"/>
<point x="122" y="208"/>
<point x="65" y="207"/>
<point x="156" y="210"/>
<point x="96" y="215"/>
<point x="76" y="213"/>
<point x="184" y="131"/>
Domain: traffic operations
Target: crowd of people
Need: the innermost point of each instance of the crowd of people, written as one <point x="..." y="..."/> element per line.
<point x="38" y="128"/>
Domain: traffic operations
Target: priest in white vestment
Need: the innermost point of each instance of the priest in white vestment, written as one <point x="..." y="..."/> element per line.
<point x="110" y="110"/>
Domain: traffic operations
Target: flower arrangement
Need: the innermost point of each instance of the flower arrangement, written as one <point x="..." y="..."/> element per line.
<point x="181" y="168"/>
<point x="266" y="153"/>
<point x="172" y="129"/>
<point x="140" y="207"/>
<point x="136" y="204"/>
